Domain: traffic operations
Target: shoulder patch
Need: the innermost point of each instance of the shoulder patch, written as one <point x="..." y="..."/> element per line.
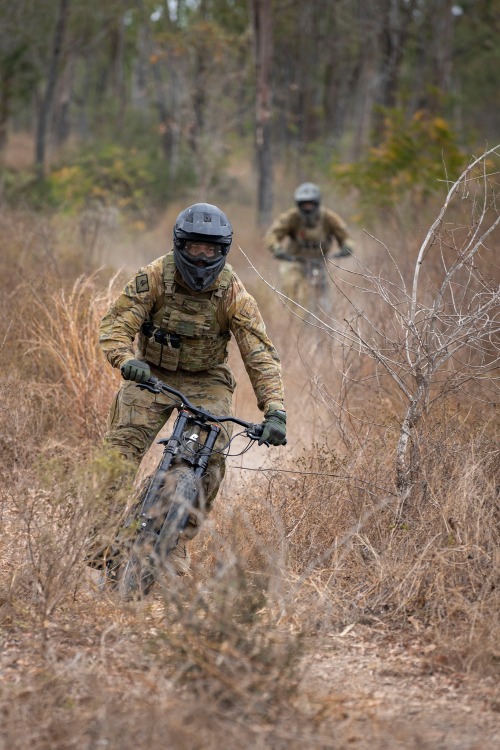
<point x="142" y="283"/>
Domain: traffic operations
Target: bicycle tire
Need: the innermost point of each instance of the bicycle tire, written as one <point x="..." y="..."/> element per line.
<point x="137" y="573"/>
<point x="134" y="574"/>
<point x="181" y="503"/>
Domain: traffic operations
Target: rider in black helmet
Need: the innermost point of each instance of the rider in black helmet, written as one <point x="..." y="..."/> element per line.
<point x="174" y="320"/>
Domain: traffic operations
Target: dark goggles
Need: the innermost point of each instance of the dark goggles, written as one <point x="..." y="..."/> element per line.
<point x="203" y="252"/>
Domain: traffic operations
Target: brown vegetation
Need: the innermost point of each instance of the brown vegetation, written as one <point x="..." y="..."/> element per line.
<point x="299" y="555"/>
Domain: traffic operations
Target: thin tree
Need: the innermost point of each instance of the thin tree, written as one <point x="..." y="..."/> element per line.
<point x="46" y="105"/>
<point x="261" y="17"/>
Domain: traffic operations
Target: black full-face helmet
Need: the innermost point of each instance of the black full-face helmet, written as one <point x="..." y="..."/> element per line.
<point x="308" y="199"/>
<point x="206" y="224"/>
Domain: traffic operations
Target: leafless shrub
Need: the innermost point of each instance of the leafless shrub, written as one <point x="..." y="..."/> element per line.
<point x="439" y="332"/>
<point x="442" y="331"/>
<point x="58" y="511"/>
<point x="351" y="558"/>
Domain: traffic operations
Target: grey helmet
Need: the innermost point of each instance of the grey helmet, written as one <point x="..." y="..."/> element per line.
<point x="201" y="222"/>
<point x="308" y="193"/>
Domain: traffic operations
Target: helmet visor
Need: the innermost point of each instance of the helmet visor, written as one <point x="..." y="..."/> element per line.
<point x="201" y="253"/>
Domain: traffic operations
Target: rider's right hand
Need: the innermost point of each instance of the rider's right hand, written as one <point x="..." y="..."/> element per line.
<point x="134" y="369"/>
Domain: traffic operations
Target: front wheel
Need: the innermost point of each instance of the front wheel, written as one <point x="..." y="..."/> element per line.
<point x="136" y="575"/>
<point x="181" y="502"/>
<point x="151" y="550"/>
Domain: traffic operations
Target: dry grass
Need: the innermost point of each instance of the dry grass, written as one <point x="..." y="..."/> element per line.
<point x="312" y="546"/>
<point x="65" y="331"/>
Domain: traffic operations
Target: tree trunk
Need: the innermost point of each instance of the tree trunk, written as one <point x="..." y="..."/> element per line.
<point x="368" y="25"/>
<point x="261" y="15"/>
<point x="433" y="66"/>
<point x="61" y="121"/>
<point x="5" y="100"/>
<point x="46" y="105"/>
<point x="168" y="127"/>
<point x="393" y="34"/>
<point x="119" y="70"/>
<point x="443" y="48"/>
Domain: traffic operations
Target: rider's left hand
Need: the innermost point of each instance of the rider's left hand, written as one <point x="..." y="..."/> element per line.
<point x="274" y="428"/>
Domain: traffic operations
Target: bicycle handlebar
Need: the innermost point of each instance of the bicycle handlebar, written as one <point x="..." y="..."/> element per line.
<point x="313" y="261"/>
<point x="155" y="385"/>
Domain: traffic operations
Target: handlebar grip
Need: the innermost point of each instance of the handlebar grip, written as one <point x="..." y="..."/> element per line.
<point x="151" y="384"/>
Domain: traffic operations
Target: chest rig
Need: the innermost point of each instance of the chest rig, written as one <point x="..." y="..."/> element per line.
<point x="309" y="241"/>
<point x="183" y="331"/>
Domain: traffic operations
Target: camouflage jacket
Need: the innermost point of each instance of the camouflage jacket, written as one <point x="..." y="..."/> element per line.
<point x="290" y="232"/>
<point x="236" y="313"/>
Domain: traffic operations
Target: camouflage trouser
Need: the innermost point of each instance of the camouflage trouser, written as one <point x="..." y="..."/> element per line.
<point x="307" y="285"/>
<point x="138" y="415"/>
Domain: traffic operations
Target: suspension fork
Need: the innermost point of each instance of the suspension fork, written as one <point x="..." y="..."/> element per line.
<point x="178" y="514"/>
<point x="199" y="461"/>
<point x="202" y="457"/>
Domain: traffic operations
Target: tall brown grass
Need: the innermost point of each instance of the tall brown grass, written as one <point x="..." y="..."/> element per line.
<point x="65" y="332"/>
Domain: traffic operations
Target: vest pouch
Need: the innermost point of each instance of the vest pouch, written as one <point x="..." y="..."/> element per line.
<point x="204" y="353"/>
<point x="162" y="355"/>
<point x="190" y="320"/>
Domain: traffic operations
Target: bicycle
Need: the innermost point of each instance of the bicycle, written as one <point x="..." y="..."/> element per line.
<point x="310" y="286"/>
<point x="172" y="494"/>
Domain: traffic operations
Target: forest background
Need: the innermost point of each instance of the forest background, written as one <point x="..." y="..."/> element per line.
<point x="345" y="592"/>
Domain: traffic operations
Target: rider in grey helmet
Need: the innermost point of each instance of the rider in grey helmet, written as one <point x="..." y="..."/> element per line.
<point x="202" y="238"/>
<point x="303" y="239"/>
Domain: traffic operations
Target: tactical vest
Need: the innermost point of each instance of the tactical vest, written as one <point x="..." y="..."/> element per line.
<point x="183" y="332"/>
<point x="309" y="241"/>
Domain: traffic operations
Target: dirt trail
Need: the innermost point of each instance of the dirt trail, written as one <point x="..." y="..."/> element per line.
<point x="363" y="687"/>
<point x="375" y="685"/>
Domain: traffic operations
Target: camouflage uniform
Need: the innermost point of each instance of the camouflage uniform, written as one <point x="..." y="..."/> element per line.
<point x="158" y="300"/>
<point x="291" y="233"/>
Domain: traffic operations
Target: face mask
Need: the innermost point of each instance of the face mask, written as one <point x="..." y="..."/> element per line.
<point x="310" y="212"/>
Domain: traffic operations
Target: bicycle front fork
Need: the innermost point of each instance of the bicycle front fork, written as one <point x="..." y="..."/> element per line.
<point x="174" y="448"/>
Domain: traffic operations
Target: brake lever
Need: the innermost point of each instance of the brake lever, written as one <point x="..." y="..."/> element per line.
<point x="148" y="387"/>
<point x="255" y="432"/>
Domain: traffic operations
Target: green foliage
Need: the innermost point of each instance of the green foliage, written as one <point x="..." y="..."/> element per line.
<point x="112" y="176"/>
<point x="128" y="179"/>
<point x="412" y="160"/>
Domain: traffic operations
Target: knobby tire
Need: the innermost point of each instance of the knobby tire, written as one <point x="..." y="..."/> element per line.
<point x="178" y="498"/>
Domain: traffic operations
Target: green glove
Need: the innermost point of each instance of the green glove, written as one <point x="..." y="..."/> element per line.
<point x="274" y="428"/>
<point x="134" y="369"/>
